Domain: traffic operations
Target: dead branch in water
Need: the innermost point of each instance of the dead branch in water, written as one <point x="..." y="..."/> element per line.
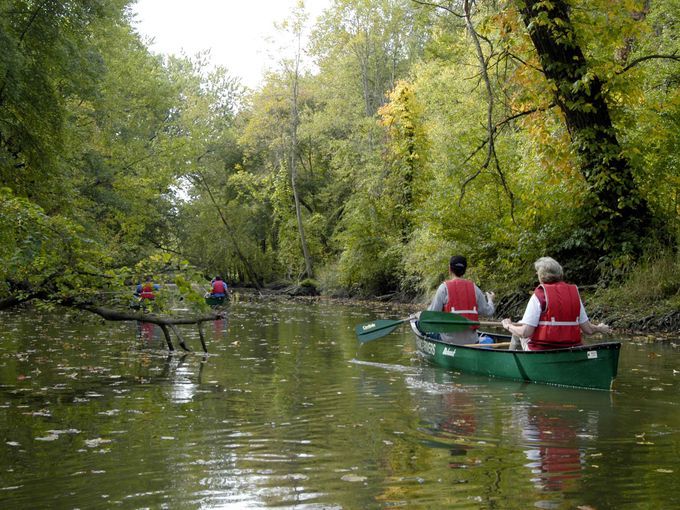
<point x="165" y="323"/>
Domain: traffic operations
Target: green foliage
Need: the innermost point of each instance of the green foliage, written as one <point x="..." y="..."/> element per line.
<point x="115" y="164"/>
<point x="653" y="286"/>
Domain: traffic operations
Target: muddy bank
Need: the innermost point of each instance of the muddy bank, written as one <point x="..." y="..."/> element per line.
<point x="664" y="325"/>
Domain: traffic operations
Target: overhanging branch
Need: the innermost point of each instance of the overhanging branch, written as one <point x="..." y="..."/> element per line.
<point x="637" y="61"/>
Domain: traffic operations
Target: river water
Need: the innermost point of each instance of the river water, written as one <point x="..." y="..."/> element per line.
<point x="288" y="411"/>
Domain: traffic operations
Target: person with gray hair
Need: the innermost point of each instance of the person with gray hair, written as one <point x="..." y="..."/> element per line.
<point x="548" y="270"/>
<point x="554" y="317"/>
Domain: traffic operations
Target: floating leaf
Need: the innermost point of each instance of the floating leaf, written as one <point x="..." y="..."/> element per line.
<point x="51" y="437"/>
<point x="353" y="478"/>
<point x="93" y="443"/>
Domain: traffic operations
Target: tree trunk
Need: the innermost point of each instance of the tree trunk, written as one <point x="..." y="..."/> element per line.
<point x="252" y="274"/>
<point x="618" y="219"/>
<point x="295" y="121"/>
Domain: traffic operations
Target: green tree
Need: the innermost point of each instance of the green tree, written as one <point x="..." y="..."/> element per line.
<point x="618" y="220"/>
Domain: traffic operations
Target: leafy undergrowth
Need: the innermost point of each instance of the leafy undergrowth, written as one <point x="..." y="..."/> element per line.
<point x="648" y="300"/>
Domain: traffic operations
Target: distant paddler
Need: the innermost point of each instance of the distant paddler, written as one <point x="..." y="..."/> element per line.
<point x="147" y="289"/>
<point x="218" y="288"/>
<point x="219" y="292"/>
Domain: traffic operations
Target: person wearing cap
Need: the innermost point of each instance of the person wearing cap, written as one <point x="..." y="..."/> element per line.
<point x="460" y="295"/>
<point x="554" y="316"/>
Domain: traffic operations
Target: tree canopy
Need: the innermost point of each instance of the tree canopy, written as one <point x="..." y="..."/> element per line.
<point x="503" y="131"/>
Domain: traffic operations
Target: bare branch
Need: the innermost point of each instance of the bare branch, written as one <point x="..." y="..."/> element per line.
<point x="672" y="56"/>
<point x="439" y="6"/>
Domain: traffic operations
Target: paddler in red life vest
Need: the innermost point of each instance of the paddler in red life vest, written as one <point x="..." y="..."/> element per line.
<point x="147" y="289"/>
<point x="554" y="317"/>
<point x="461" y="296"/>
<point x="218" y="287"/>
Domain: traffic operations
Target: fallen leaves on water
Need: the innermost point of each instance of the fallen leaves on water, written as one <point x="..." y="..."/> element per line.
<point x="353" y="478"/>
<point x="93" y="443"/>
<point x="51" y="437"/>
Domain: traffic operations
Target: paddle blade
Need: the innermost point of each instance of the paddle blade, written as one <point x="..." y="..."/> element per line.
<point x="376" y="329"/>
<point x="444" y="322"/>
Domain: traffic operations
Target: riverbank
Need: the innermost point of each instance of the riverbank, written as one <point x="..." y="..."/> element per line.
<point x="659" y="321"/>
<point x="645" y="301"/>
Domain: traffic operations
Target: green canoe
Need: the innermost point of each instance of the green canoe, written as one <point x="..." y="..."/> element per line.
<point x="216" y="301"/>
<point x="588" y="366"/>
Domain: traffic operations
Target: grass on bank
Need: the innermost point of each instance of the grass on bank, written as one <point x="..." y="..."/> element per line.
<point x="652" y="287"/>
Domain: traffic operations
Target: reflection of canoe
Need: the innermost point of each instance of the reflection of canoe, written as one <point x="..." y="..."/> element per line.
<point x="216" y="301"/>
<point x="589" y="366"/>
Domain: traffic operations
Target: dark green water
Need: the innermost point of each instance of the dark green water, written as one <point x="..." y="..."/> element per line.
<point x="288" y="411"/>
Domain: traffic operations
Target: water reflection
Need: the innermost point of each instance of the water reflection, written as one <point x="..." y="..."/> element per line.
<point x="146" y="332"/>
<point x="220" y="329"/>
<point x="280" y="415"/>
<point x="184" y="375"/>
<point x="555" y="429"/>
<point x="551" y="432"/>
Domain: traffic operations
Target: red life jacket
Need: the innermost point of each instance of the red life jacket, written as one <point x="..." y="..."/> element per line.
<point x="219" y="287"/>
<point x="147" y="291"/>
<point x="462" y="299"/>
<point x="558" y="325"/>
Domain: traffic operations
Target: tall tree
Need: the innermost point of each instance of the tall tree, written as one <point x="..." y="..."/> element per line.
<point x="297" y="25"/>
<point x="619" y="218"/>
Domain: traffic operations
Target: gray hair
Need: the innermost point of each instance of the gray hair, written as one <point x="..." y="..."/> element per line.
<point x="548" y="270"/>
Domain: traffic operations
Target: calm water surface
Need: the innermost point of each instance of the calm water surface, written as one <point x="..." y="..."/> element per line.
<point x="287" y="411"/>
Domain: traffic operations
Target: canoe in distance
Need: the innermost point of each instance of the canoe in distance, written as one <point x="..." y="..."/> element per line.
<point x="216" y="301"/>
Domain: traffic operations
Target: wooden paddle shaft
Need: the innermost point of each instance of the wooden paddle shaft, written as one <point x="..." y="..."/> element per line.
<point x="495" y="346"/>
<point x="490" y="323"/>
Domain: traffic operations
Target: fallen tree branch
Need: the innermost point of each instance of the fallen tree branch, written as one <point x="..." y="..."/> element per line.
<point x="165" y="323"/>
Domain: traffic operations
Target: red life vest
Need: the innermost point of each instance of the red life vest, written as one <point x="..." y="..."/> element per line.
<point x="462" y="299"/>
<point x="147" y="291"/>
<point x="219" y="287"/>
<point x="558" y="325"/>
